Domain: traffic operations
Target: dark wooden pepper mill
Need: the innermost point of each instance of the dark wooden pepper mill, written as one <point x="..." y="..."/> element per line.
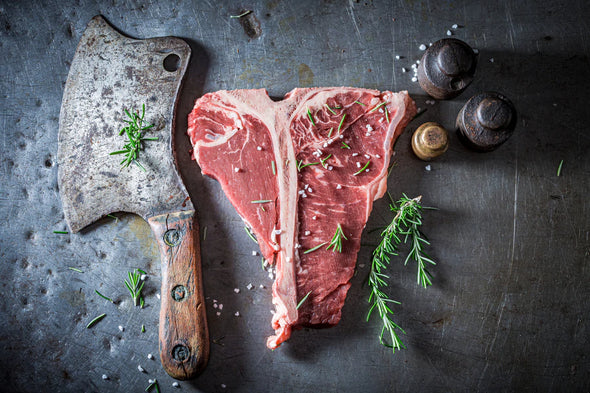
<point x="447" y="68"/>
<point x="486" y="121"/>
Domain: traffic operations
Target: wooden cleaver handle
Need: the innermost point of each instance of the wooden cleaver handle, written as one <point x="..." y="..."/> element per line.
<point x="184" y="337"/>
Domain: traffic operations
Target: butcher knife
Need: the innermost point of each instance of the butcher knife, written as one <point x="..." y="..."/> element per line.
<point x="111" y="73"/>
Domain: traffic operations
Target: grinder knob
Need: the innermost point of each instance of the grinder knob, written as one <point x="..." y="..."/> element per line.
<point x="486" y="121"/>
<point x="429" y="141"/>
<point x="447" y="68"/>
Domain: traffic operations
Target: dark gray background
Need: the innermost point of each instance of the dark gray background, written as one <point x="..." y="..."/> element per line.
<point x="508" y="310"/>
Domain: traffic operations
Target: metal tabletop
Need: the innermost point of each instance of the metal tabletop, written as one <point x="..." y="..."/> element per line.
<point x="508" y="309"/>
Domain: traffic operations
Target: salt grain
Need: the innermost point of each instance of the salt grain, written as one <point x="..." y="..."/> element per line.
<point x="314" y="218"/>
<point x="105" y="377"/>
<point x="277" y="231"/>
<point x="304" y="195"/>
<point x="397" y="57"/>
<point x="377" y="155"/>
<point x="237" y="290"/>
<point x="215" y="305"/>
<point x="414" y="79"/>
<point x="258" y="148"/>
<point x="338" y="187"/>
<point x="325" y="144"/>
<point x="261" y="286"/>
<point x="158" y="295"/>
<point x="428" y="167"/>
<point x="491" y="59"/>
<point x="310" y="190"/>
<point x="307" y="233"/>
<point x="254" y="253"/>
<point x="355" y="154"/>
<point x="121" y="328"/>
<point x="223" y="386"/>
<point x="449" y="32"/>
<point x="330" y="167"/>
<point x="144" y="277"/>
<point x="151" y="381"/>
<point x="236" y="170"/>
<point x="150" y="356"/>
<point x="341" y="136"/>
<point x="422" y="47"/>
<point x="475" y="50"/>
<point x="175" y="384"/>
<point x="218" y="313"/>
<point x="237" y="314"/>
<point x="455" y="26"/>
<point x="358" y="164"/>
<point x="220" y="306"/>
<point x="404" y="69"/>
<point x="367" y="156"/>
<point x="140" y="369"/>
<point x="250" y="286"/>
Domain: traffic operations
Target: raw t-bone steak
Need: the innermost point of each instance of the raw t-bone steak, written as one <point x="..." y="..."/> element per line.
<point x="296" y="170"/>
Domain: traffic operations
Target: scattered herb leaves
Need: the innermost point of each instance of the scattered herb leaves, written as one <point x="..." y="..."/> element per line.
<point x="103" y="296"/>
<point x="302" y="300"/>
<point x="315" y="248"/>
<point x="241" y="15"/>
<point x="336" y="242"/>
<point x="135" y="285"/>
<point x="559" y="168"/>
<point x="95" y="320"/>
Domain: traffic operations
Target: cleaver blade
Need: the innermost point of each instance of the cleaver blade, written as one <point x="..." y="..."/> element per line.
<point x="110" y="73"/>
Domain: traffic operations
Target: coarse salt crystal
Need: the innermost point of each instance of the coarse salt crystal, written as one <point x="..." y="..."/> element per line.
<point x="144" y="277"/>
<point x="367" y="156"/>
<point x="380" y="110"/>
<point x="397" y="57"/>
<point x="258" y="148"/>
<point x="414" y="79"/>
<point x="261" y="286"/>
<point x="150" y="381"/>
<point x="140" y="369"/>
<point x="237" y="290"/>
<point x="307" y="233"/>
<point x="368" y="134"/>
<point x="358" y="164"/>
<point x="236" y="170"/>
<point x="404" y="69"/>
<point x="237" y="314"/>
<point x="215" y="305"/>
<point x="250" y="286"/>
<point x="325" y="144"/>
<point x="491" y="59"/>
<point x="254" y="253"/>
<point x="218" y="313"/>
<point x="475" y="50"/>
<point x="304" y="195"/>
<point x="455" y="26"/>
<point x="278" y="231"/>
<point x="338" y="187"/>
<point x="310" y="190"/>
<point x="369" y="128"/>
<point x="214" y="300"/>
<point x="223" y="386"/>
<point x="121" y="328"/>
<point x="428" y="167"/>
<point x="175" y="384"/>
<point x="150" y="356"/>
<point x="355" y="154"/>
<point x="105" y="377"/>
<point x="314" y="218"/>
<point x="449" y="32"/>
<point x="367" y="170"/>
<point x="330" y="167"/>
<point x="422" y="47"/>
<point x="158" y="295"/>
<point x="377" y="155"/>
<point x="220" y="306"/>
<point x="341" y="136"/>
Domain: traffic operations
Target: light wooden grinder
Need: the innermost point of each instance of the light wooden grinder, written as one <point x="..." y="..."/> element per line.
<point x="429" y="141"/>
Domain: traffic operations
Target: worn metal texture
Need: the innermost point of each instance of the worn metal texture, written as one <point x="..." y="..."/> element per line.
<point x="508" y="309"/>
<point x="111" y="73"/>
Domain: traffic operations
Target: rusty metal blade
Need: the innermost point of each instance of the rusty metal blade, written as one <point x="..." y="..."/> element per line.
<point x="110" y="73"/>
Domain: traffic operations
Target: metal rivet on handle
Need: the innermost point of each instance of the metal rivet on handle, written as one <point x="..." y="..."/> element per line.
<point x="180" y="353"/>
<point x="172" y="237"/>
<point x="179" y="293"/>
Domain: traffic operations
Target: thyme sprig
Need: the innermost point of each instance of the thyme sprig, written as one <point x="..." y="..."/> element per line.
<point x="404" y="226"/>
<point x="135" y="286"/>
<point x="135" y="131"/>
<point x="336" y="242"/>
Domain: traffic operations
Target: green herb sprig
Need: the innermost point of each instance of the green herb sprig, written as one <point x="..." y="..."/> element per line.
<point x="135" y="131"/>
<point x="336" y="242"/>
<point x="135" y="285"/>
<point x="302" y="300"/>
<point x="404" y="226"/>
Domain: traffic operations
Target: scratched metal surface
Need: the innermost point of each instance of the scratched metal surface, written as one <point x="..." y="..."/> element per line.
<point x="509" y="308"/>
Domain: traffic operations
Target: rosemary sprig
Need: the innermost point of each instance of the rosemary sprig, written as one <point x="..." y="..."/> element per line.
<point x="262" y="201"/>
<point x="66" y="232"/>
<point x="75" y="269"/>
<point x="302" y="300"/>
<point x="345" y="146"/>
<point x="558" y="171"/>
<point x="135" y="131"/>
<point x="362" y="169"/>
<point x="330" y="133"/>
<point x="274" y="169"/>
<point x="360" y="103"/>
<point x="95" y="320"/>
<point x="405" y="224"/>
<point x="135" y="285"/>
<point x="103" y="296"/>
<point x="336" y="242"/>
<point x="143" y="328"/>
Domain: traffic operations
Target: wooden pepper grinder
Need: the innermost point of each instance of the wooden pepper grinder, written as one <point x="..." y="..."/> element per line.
<point x="447" y="68"/>
<point x="486" y="121"/>
<point x="429" y="141"/>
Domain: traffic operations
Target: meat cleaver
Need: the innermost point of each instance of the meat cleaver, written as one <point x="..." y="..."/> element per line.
<point x="110" y="73"/>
